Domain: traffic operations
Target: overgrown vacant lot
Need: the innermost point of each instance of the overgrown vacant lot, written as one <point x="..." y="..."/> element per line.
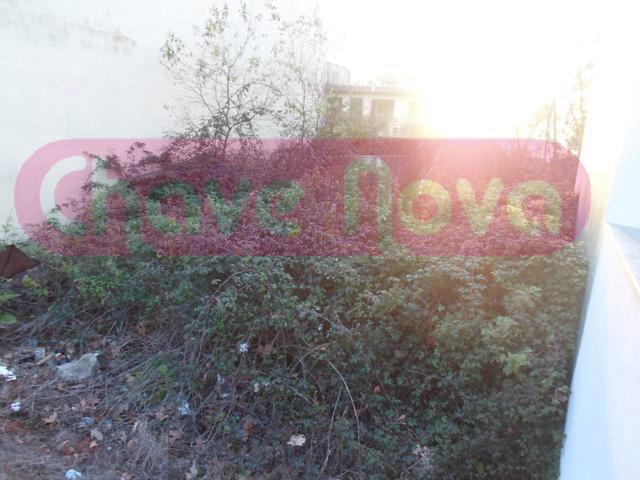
<point x="272" y="365"/>
<point x="230" y="367"/>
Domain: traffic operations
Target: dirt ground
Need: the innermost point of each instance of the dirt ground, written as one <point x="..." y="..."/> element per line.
<point x="46" y="437"/>
<point x="25" y="455"/>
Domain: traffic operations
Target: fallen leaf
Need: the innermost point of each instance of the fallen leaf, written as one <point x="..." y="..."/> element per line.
<point x="141" y="330"/>
<point x="175" y="434"/>
<point x="51" y="418"/>
<point x="200" y="442"/>
<point x="248" y="426"/>
<point x="265" y="350"/>
<point x="297" y="440"/>
<point x="14" y="426"/>
<point x="66" y="448"/>
<point x="161" y="415"/>
<point x="97" y="435"/>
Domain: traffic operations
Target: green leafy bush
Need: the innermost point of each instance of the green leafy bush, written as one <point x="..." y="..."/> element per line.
<point x="391" y="367"/>
<point x="7" y="318"/>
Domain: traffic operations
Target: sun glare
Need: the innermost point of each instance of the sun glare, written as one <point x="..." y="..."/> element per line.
<point x="483" y="68"/>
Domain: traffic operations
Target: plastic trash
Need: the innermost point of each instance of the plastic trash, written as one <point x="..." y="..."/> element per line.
<point x="6" y="374"/>
<point x="297" y="440"/>
<point x="184" y="409"/>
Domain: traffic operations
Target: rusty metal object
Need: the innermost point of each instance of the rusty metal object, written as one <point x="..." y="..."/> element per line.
<point x="14" y="261"/>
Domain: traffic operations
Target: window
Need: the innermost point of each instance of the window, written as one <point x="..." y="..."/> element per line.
<point x="382" y="108"/>
<point x="356" y="107"/>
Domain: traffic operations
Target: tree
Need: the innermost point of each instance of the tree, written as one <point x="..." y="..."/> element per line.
<point x="251" y="72"/>
<point x="302" y="48"/>
<point x="552" y="124"/>
<point x="576" y="118"/>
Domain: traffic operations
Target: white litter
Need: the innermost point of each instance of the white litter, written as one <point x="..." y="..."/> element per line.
<point x="72" y="475"/>
<point x="297" y="440"/>
<point x="6" y="374"/>
<point x="184" y="409"/>
<point x="243" y="347"/>
<point x="16" y="407"/>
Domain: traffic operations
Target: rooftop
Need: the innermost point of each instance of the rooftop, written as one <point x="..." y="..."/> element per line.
<point x="396" y="90"/>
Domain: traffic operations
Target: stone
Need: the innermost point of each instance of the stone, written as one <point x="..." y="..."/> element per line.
<point x="86" y="422"/>
<point x="79" y="370"/>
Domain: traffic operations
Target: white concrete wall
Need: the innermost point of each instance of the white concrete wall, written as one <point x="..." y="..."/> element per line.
<point x="78" y="69"/>
<point x="603" y="422"/>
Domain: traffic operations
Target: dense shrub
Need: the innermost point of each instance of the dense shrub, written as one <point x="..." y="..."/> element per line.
<point x="391" y="366"/>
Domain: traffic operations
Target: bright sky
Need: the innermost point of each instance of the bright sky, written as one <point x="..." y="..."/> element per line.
<point x="483" y="66"/>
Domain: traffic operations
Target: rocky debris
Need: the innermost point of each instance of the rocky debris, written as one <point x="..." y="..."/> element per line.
<point x="86" y="422"/>
<point x="79" y="370"/>
<point x="39" y="354"/>
<point x="36" y="356"/>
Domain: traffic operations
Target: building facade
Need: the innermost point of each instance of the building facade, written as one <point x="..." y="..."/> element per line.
<point x="387" y="110"/>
